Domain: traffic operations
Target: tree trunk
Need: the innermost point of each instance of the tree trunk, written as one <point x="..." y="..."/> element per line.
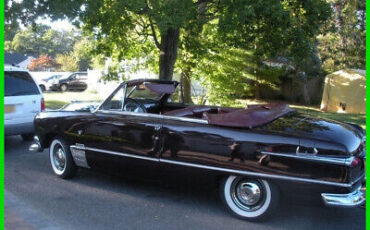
<point x="339" y="6"/>
<point x="168" y="53"/>
<point x="306" y="94"/>
<point x="186" y="84"/>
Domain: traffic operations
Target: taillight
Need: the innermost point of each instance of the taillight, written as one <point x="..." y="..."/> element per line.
<point x="42" y="104"/>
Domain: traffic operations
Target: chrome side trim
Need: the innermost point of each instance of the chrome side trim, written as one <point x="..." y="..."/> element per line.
<point x="200" y="121"/>
<point x="78" y="155"/>
<point x="315" y="158"/>
<point x="116" y="153"/>
<point x="263" y="175"/>
<point x="232" y="171"/>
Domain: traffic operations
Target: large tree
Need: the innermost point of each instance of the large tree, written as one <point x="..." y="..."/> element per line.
<point x="41" y="39"/>
<point x="140" y="27"/>
<point x="342" y="43"/>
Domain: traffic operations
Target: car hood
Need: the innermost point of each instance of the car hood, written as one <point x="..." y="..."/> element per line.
<point x="319" y="130"/>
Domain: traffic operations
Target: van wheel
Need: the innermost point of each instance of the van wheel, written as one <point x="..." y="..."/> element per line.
<point x="63" y="87"/>
<point x="28" y="136"/>
<point x="247" y="198"/>
<point x="61" y="159"/>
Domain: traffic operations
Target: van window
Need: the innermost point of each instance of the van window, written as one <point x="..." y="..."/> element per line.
<point x="18" y="83"/>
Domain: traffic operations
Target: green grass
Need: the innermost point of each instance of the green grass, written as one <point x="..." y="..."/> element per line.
<point x="56" y="100"/>
<point x="358" y="119"/>
<point x="54" y="104"/>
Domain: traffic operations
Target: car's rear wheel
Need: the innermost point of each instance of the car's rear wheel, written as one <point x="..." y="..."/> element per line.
<point x="27" y="136"/>
<point x="247" y="198"/>
<point x="63" y="87"/>
<point x="61" y="159"/>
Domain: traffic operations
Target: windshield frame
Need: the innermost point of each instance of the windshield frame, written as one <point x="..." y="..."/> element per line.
<point x="161" y="100"/>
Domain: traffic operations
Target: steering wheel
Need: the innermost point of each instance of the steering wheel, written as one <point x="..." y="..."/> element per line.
<point x="132" y="105"/>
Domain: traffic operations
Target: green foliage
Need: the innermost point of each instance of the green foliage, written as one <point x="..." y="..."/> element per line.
<point x="277" y="27"/>
<point x="40" y="39"/>
<point x="82" y="52"/>
<point x="68" y="62"/>
<point x="342" y="42"/>
<point x="223" y="42"/>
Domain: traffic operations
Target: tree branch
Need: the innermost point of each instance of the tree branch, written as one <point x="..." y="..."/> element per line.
<point x="154" y="34"/>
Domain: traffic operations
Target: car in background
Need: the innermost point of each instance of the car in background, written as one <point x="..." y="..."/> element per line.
<point x="75" y="81"/>
<point x="49" y="81"/>
<point x="23" y="100"/>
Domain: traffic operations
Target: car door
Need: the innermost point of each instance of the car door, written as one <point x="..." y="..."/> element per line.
<point x="72" y="82"/>
<point x="81" y="80"/>
<point x="116" y="137"/>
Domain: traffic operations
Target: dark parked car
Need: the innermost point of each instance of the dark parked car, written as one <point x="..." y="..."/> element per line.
<point x="75" y="81"/>
<point x="258" y="152"/>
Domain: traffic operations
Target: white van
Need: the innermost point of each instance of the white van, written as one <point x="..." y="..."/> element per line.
<point x="23" y="100"/>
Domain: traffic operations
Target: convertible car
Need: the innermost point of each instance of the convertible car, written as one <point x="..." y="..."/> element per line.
<point x="258" y="152"/>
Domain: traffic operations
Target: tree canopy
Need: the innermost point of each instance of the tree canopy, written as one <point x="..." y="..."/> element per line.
<point x="41" y="39"/>
<point x="136" y="28"/>
<point x="342" y="43"/>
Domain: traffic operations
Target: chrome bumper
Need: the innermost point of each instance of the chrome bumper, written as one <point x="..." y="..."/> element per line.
<point x="353" y="199"/>
<point x="36" y="147"/>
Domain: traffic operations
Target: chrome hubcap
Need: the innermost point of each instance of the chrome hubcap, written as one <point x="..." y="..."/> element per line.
<point x="248" y="194"/>
<point x="59" y="158"/>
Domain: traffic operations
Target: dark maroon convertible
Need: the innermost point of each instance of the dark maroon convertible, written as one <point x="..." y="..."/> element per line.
<point x="258" y="152"/>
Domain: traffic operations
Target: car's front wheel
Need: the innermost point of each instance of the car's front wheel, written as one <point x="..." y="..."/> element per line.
<point x="248" y="198"/>
<point x="64" y="87"/>
<point x="61" y="159"/>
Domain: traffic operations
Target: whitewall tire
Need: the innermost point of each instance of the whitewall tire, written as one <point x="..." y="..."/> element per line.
<point x="248" y="198"/>
<point x="61" y="159"/>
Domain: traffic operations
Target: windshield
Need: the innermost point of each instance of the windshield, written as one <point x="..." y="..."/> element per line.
<point x="142" y="92"/>
<point x="54" y="77"/>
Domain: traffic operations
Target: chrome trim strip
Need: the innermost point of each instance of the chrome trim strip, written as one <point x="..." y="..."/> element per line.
<point x="116" y="153"/>
<point x="296" y="179"/>
<point x="234" y="171"/>
<point x="200" y="121"/>
<point x="79" y="155"/>
<point x="315" y="158"/>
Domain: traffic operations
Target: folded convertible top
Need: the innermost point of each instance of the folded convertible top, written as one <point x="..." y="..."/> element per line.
<point x="255" y="115"/>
